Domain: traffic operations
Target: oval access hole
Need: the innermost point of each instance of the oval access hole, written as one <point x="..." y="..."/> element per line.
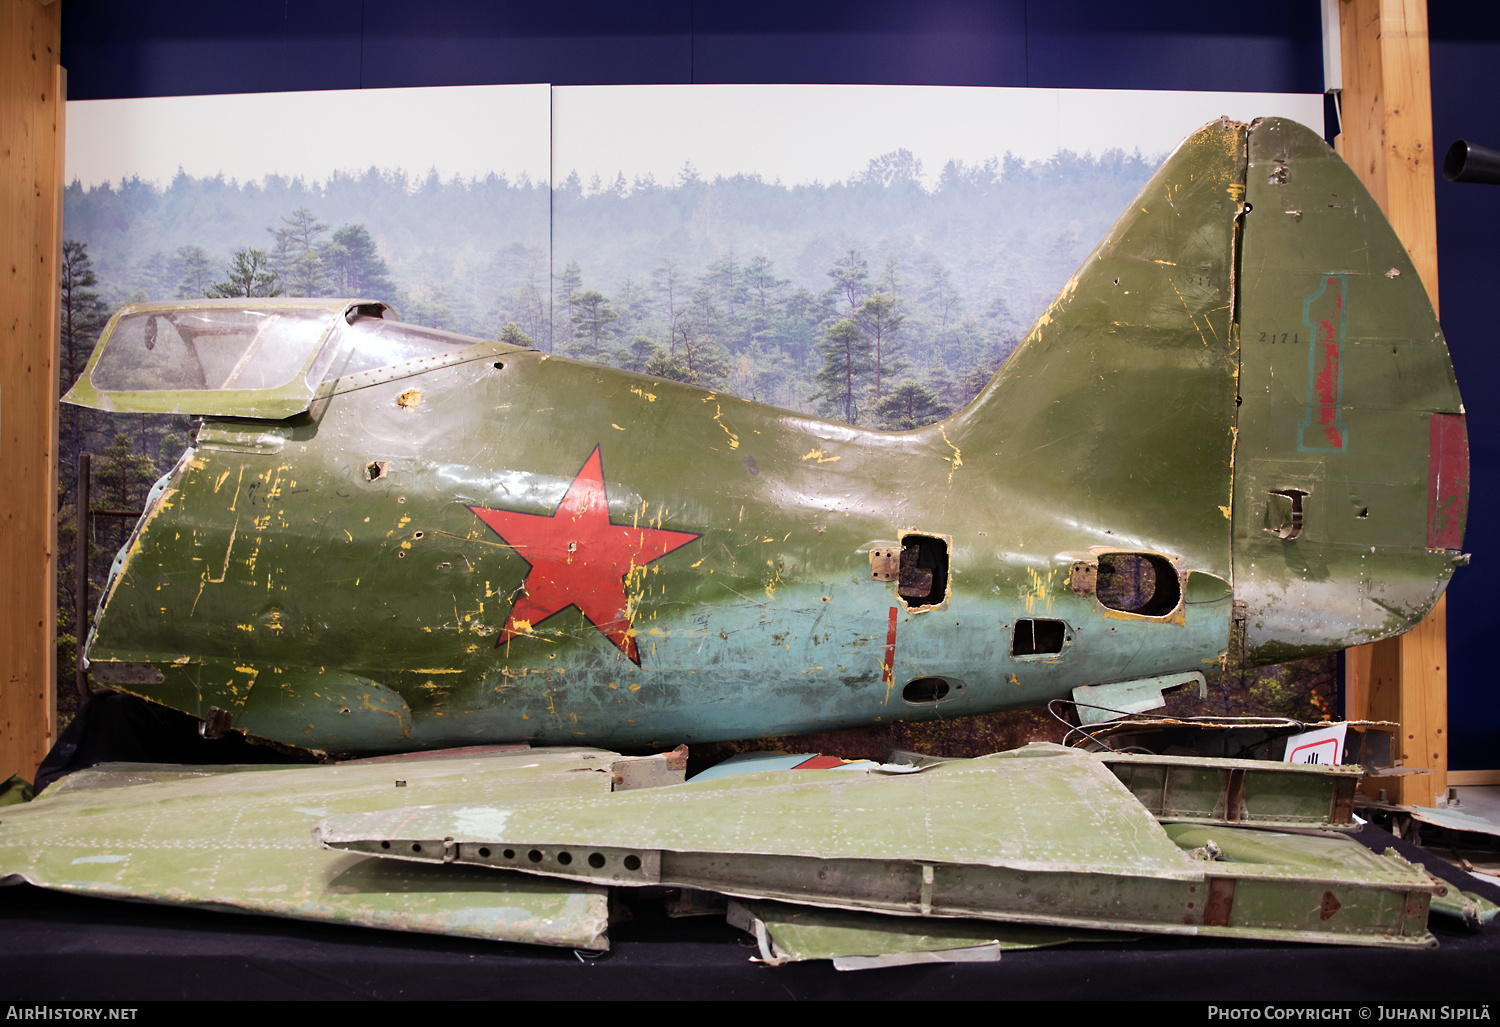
<point x="385" y="845"/>
<point x="509" y="853"/>
<point x="596" y="860"/>
<point x="565" y="858"/>
<point x="416" y="846"/>
<point x="632" y="862"/>
<point x="484" y="853"/>
<point x="925" y="690"/>
<point x="535" y="855"/>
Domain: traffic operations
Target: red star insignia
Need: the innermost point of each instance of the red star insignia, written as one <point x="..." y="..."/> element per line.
<point x="579" y="558"/>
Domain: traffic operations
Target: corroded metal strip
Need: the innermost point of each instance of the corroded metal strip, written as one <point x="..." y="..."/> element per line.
<point x="1234" y="796"/>
<point x="1220" y="905"/>
<point x="1368" y="911"/>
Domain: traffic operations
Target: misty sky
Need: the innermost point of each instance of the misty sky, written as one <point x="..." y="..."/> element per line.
<point x="797" y="134"/>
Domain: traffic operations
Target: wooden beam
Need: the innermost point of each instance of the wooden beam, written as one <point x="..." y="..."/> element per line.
<point x="1471" y="778"/>
<point x="31" y="170"/>
<point x="1387" y="139"/>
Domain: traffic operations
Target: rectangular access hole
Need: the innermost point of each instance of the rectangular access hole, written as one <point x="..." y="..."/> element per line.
<point x="1038" y="637"/>
<point x="923" y="577"/>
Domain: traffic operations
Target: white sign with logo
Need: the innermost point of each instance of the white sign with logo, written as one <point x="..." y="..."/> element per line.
<point x="1321" y="745"/>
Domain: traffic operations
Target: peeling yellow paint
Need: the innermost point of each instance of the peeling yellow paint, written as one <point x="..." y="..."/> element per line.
<point x="615" y="426"/>
<point x="1225" y="511"/>
<point x="734" y="440"/>
<point x="820" y="456"/>
<point x="409" y="399"/>
<point x="237" y="482"/>
<point x="649" y="397"/>
<point x="1037" y="591"/>
<point x="958" y="459"/>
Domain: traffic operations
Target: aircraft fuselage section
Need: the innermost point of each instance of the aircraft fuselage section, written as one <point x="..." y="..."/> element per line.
<point x="1239" y="416"/>
<point x="521" y="547"/>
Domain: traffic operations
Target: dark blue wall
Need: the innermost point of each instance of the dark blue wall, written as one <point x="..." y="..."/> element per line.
<point x="126" y="48"/>
<point x="1465" y="57"/>
<point x="115" y="48"/>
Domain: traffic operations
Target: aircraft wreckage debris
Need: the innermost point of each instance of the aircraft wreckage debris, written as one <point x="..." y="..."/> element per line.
<point x="1040" y="835"/>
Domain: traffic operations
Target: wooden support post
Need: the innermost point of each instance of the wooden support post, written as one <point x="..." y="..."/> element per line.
<point x="1387" y="140"/>
<point x="31" y="170"/>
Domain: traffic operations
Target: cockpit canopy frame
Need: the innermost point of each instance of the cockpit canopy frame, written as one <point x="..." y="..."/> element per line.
<point x="251" y="358"/>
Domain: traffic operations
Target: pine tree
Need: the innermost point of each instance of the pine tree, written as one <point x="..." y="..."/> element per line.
<point x="513" y="336"/>
<point x="591" y="320"/>
<point x="154" y="276"/>
<point x="849" y="274"/>
<point x="763" y="285"/>
<point x="196" y="272"/>
<point x="940" y="296"/>
<point x="569" y="284"/>
<point x="878" y="318"/>
<point x="666" y="279"/>
<point x="296" y="258"/>
<point x="83" y="313"/>
<point x="354" y="267"/>
<point x="910" y="405"/>
<point x="631" y="304"/>
<point x="639" y="354"/>
<point x="83" y="317"/>
<point x="663" y="365"/>
<point x="695" y="357"/>
<point x="848" y="363"/>
<point x="536" y="313"/>
<point x="250" y="275"/>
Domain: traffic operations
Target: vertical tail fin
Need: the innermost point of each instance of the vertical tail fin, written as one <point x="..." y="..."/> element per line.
<point x="1115" y="416"/>
<point x="1246" y="376"/>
